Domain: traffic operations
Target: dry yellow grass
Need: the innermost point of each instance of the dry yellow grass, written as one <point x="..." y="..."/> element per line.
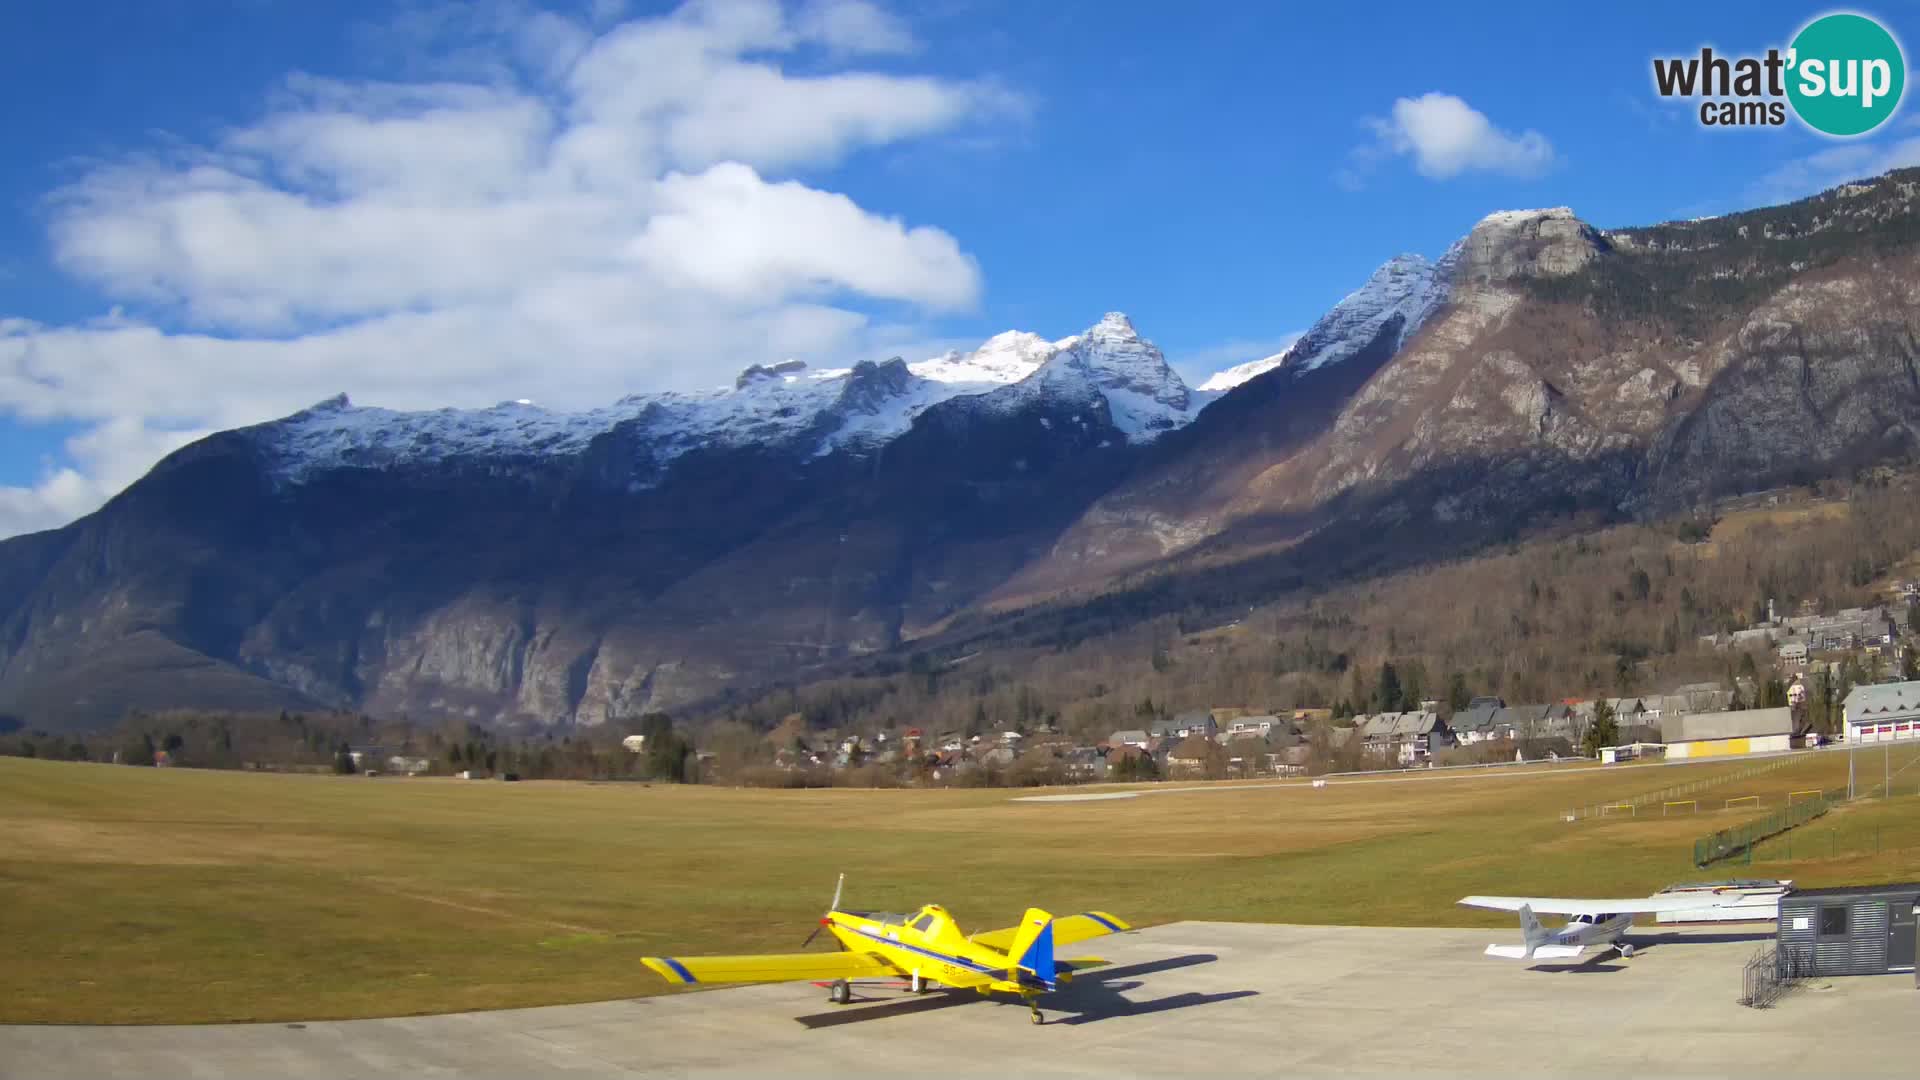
<point x="1737" y="524"/>
<point x="152" y="895"/>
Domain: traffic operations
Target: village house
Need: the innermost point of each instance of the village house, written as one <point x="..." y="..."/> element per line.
<point x="1408" y="737"/>
<point x="1288" y="751"/>
<point x="1253" y="725"/>
<point x="1190" y="756"/>
<point x="1119" y="752"/>
<point x="1473" y="724"/>
<point x="1521" y="723"/>
<point x="1133" y="737"/>
<point x="1083" y="763"/>
<point x="1187" y="724"/>
<point x="1882" y="713"/>
<point x="1280" y="750"/>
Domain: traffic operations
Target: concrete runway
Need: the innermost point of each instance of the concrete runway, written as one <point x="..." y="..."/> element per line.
<point x="1186" y="999"/>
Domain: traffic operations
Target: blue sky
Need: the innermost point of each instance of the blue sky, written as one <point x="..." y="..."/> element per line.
<point x="214" y="213"/>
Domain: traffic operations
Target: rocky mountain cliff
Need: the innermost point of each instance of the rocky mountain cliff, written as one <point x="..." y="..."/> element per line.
<point x="1637" y="371"/>
<point x="518" y="565"/>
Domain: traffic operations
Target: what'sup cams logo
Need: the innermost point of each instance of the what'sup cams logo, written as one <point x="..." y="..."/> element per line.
<point x="1843" y="75"/>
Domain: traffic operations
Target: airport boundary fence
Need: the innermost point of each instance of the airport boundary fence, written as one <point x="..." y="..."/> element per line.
<point x="1677" y="792"/>
<point x="1729" y="842"/>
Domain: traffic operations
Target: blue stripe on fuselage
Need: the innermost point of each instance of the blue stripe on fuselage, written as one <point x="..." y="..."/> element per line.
<point x="960" y="961"/>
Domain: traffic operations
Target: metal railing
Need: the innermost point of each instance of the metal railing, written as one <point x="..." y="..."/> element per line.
<point x="1741" y="838"/>
<point x="1770" y="973"/>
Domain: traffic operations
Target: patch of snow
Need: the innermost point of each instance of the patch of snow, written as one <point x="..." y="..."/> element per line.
<point x="820" y="410"/>
<point x="1516" y="217"/>
<point x="1003" y="358"/>
<point x="1407" y="287"/>
<point x="1239" y="373"/>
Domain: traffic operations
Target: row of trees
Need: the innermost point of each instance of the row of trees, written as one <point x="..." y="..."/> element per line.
<point x="321" y="742"/>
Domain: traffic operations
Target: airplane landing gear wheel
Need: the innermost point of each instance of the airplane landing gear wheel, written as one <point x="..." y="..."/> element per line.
<point x="1626" y="951"/>
<point x="840" y="992"/>
<point x="919" y="985"/>
<point x="1037" y="1018"/>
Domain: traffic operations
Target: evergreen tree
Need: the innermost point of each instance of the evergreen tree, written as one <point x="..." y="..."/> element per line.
<point x="1458" y="695"/>
<point x="1387" y="696"/>
<point x="138" y="751"/>
<point x="1603" y="731"/>
<point x="1773" y="695"/>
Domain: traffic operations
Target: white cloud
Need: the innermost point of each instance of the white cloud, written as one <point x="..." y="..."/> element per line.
<point x="855" y="26"/>
<point x="1833" y="166"/>
<point x="1446" y="137"/>
<point x="106" y="458"/>
<point x="728" y="232"/>
<point x="600" y="212"/>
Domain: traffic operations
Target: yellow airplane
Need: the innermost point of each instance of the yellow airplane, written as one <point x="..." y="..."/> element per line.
<point x="923" y="949"/>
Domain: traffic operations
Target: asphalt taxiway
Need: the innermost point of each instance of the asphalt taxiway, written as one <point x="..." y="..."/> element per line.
<point x="1179" y="1000"/>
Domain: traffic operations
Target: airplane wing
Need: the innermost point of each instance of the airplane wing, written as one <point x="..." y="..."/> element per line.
<point x="792" y="967"/>
<point x="1540" y="952"/>
<point x="1081" y="963"/>
<point x="1643" y="905"/>
<point x="1067" y="929"/>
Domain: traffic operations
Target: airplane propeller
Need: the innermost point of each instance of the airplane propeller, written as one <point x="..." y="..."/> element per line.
<point x="831" y="908"/>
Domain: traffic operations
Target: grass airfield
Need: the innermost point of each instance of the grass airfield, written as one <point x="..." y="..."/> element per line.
<point x="183" y="896"/>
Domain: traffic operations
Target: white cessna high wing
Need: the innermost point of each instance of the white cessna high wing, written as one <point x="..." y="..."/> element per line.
<point x="1589" y="922"/>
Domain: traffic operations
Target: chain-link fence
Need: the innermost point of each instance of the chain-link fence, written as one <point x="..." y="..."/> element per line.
<point x="1632" y="805"/>
<point x="1741" y="838"/>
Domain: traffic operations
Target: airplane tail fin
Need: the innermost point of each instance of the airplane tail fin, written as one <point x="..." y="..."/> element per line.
<point x="1535" y="938"/>
<point x="1032" y="949"/>
<point x="1531" y="931"/>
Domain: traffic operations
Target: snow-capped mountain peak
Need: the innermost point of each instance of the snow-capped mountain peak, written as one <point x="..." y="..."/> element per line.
<point x="1144" y="396"/>
<point x="819" y="411"/>
<point x="1003" y="358"/>
<point x="1409" y="288"/>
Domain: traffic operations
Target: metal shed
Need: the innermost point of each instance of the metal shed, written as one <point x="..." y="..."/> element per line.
<point x="1852" y="930"/>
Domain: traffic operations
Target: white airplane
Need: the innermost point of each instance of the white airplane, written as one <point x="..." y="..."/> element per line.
<point x="1589" y="922"/>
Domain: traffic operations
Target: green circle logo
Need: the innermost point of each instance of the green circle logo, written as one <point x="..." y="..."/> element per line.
<point x="1846" y="74"/>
